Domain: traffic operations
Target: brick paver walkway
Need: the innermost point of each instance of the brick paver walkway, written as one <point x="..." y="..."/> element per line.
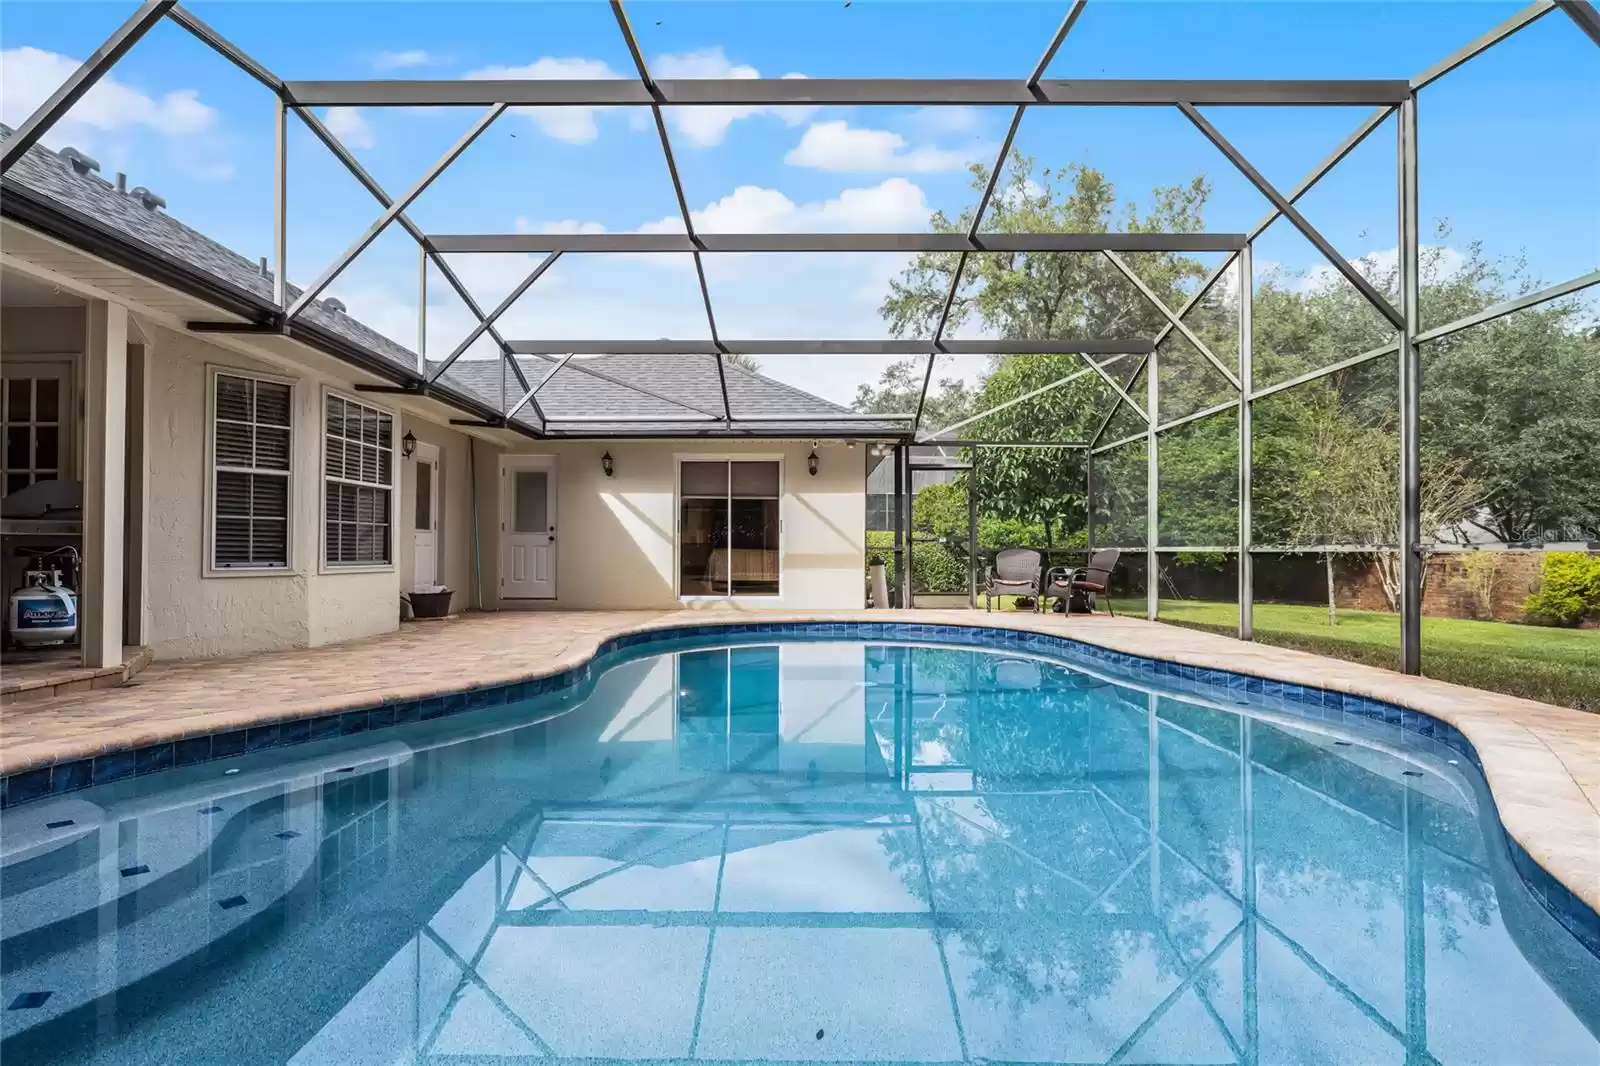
<point x="1541" y="762"/>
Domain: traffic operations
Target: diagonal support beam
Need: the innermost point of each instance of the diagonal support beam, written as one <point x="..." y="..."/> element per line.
<point x="634" y="386"/>
<point x="394" y="210"/>
<point x="1292" y="213"/>
<point x="528" y="396"/>
<point x="1115" y="386"/>
<point x="1583" y="13"/>
<point x="983" y="201"/>
<point x="1507" y="307"/>
<point x="89" y="72"/>
<point x="488" y="322"/>
<point x="1471" y="50"/>
<point x="1176" y="321"/>
<point x="677" y="188"/>
<point x="997" y="408"/>
<point x="369" y="183"/>
<point x="1117" y="406"/>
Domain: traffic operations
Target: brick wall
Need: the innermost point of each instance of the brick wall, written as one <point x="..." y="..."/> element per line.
<point x="1452" y="583"/>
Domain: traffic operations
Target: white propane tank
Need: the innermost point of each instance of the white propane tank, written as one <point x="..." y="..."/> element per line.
<point x="42" y="612"/>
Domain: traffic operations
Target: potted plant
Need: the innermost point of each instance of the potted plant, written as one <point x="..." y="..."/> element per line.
<point x="431" y="601"/>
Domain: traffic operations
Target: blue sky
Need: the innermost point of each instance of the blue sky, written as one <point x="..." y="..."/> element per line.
<point x="1510" y="143"/>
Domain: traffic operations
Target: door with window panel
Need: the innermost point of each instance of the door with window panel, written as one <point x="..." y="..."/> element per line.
<point x="729" y="527"/>
<point x="35" y="402"/>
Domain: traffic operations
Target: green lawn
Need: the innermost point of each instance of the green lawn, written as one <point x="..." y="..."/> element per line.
<point x="1560" y="666"/>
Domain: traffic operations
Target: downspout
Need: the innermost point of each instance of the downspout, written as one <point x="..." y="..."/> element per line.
<point x="477" y="561"/>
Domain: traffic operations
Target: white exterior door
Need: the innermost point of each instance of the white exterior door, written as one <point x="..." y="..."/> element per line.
<point x="425" y="519"/>
<point x="528" y="528"/>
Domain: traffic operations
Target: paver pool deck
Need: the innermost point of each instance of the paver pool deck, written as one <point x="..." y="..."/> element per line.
<point x="1542" y="763"/>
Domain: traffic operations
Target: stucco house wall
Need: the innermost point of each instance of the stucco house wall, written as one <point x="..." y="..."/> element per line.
<point x="456" y="460"/>
<point x="193" y="614"/>
<point x="616" y="536"/>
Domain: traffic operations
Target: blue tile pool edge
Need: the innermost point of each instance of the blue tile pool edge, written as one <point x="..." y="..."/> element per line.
<point x="1304" y="701"/>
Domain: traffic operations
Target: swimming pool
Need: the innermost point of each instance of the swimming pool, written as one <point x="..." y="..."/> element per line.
<point x="797" y="849"/>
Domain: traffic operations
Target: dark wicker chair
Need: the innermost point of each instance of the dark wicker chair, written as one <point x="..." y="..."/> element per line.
<point x="1094" y="579"/>
<point x="1015" y="573"/>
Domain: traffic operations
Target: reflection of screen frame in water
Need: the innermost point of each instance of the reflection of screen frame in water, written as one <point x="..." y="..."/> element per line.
<point x="1159" y="776"/>
<point x="727" y="708"/>
<point x="729" y="544"/>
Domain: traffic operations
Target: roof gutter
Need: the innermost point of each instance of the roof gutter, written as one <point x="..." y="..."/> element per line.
<point x="24" y="206"/>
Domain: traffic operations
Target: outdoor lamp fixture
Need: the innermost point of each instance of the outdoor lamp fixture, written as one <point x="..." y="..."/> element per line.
<point x="811" y="461"/>
<point x="408" y="444"/>
<point x="606" y="463"/>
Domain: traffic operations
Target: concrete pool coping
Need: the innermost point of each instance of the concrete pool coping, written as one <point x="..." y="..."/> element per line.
<point x="1542" y="763"/>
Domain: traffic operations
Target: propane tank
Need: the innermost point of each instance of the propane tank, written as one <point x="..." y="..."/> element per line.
<point x="43" y="610"/>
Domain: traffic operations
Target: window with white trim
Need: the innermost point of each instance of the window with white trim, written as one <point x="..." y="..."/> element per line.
<point x="251" y="435"/>
<point x="358" y="475"/>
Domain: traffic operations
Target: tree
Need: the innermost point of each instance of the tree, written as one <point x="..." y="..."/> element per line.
<point x="901" y="385"/>
<point x="1513" y="405"/>
<point x="1510" y="410"/>
<point x="1023" y="295"/>
<point x="742" y="361"/>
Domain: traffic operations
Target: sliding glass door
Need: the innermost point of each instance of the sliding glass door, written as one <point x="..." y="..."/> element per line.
<point x="728" y="527"/>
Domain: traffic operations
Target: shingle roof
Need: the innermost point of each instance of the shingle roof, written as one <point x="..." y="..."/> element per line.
<point x="50" y="174"/>
<point x="684" y="386"/>
<point x="689" y="382"/>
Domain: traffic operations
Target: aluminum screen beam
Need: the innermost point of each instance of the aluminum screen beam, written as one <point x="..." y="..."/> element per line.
<point x="937" y="436"/>
<point x="983" y="202"/>
<point x="1067" y="346"/>
<point x="1480" y="44"/>
<point x="1472" y="49"/>
<point x="1292" y="213"/>
<point x="813" y="92"/>
<point x="640" y="243"/>
<point x="368" y="182"/>
<point x="1508" y="307"/>
<point x="488" y="322"/>
<point x="398" y="207"/>
<point x="225" y="48"/>
<point x="1410" y="397"/>
<point x="528" y="397"/>
<point x="1246" y="564"/>
<point x="634" y="386"/>
<point x="1176" y="321"/>
<point x="649" y="85"/>
<point x="82" y="80"/>
<point x="1583" y="13"/>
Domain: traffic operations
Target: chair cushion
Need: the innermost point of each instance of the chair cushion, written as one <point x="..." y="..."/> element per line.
<point x="1092" y="586"/>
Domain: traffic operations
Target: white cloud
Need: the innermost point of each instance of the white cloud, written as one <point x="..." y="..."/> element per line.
<point x="112" y="116"/>
<point x="566" y="225"/>
<point x="574" y="125"/>
<point x="702" y="127"/>
<point x="937" y="121"/>
<point x="29" y="76"/>
<point x="893" y="205"/>
<point x="405" y="59"/>
<point x="351" y="127"/>
<point x="657" y="295"/>
<point x="890" y="206"/>
<point x="839" y="146"/>
<point x="707" y="127"/>
<point x="1438" y="262"/>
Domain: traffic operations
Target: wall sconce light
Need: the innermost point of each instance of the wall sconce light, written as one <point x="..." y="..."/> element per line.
<point x="408" y="444"/>
<point x="811" y="462"/>
<point x="607" y="464"/>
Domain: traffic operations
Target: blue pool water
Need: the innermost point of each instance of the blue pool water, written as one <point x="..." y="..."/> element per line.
<point x="795" y="851"/>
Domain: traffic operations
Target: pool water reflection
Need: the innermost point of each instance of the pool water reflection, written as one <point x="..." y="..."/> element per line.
<point x="794" y="851"/>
